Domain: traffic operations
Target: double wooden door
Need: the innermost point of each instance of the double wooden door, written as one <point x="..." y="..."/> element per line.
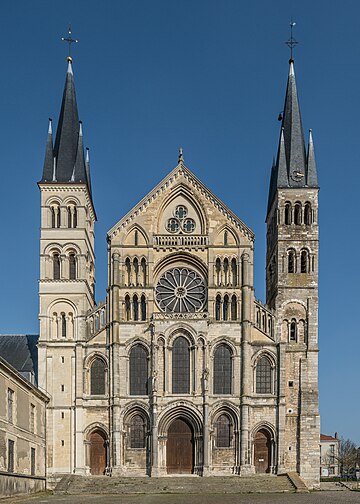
<point x="97" y="453"/>
<point x="180" y="448"/>
<point x="262" y="452"/>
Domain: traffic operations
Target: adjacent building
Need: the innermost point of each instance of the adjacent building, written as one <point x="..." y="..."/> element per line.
<point x="329" y="455"/>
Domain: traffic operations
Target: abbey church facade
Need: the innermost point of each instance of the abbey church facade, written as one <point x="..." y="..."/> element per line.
<point x="180" y="369"/>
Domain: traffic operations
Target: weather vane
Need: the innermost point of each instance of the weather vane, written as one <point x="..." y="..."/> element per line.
<point x="70" y="41"/>
<point x="291" y="42"/>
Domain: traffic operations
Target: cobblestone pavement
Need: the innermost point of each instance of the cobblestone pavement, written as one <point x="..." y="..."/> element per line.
<point x="345" y="497"/>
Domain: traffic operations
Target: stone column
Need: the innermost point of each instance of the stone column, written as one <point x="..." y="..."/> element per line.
<point x="206" y="437"/>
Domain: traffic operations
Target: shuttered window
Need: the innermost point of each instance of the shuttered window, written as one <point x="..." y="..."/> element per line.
<point x="138" y="370"/>
<point x="222" y="369"/>
<point x="181" y="366"/>
<point x="97" y="377"/>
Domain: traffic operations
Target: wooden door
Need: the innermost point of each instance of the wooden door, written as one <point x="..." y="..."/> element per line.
<point x="262" y="452"/>
<point x="97" y="453"/>
<point x="180" y="448"/>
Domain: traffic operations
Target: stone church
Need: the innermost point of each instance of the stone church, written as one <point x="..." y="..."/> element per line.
<point x="180" y="369"/>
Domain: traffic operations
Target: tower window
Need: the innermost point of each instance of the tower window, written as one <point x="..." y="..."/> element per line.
<point x="136" y="308"/>
<point x="72" y="267"/>
<point x="293" y="331"/>
<point x="291" y="261"/>
<point x="143" y="271"/>
<point x="217" y="307"/>
<point x="136" y="238"/>
<point x="233" y="308"/>
<point x="297" y="214"/>
<point x="226" y="307"/>
<point x="56" y="266"/>
<point x="97" y="377"/>
<point x="218" y="271"/>
<point x="234" y="272"/>
<point x="127" y="308"/>
<point x="263" y="376"/>
<point x="143" y="308"/>
<point x="181" y="366"/>
<point x="138" y="370"/>
<point x="63" y="325"/>
<point x="287" y="214"/>
<point x="307" y="214"/>
<point x="226" y="238"/>
<point x="304" y="261"/>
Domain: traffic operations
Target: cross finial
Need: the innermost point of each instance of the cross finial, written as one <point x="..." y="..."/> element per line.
<point x="181" y="157"/>
<point x="70" y="41"/>
<point x="291" y="42"/>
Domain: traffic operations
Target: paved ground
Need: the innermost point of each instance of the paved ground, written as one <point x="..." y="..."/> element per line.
<point x="326" y="497"/>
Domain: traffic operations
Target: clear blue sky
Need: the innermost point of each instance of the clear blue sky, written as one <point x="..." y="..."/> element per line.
<point x="209" y="76"/>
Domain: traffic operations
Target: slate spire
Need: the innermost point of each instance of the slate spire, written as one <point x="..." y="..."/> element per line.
<point x="68" y="164"/>
<point x="49" y="155"/>
<point x="293" y="167"/>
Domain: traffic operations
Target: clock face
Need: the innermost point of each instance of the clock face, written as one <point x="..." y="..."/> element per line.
<point x="180" y="290"/>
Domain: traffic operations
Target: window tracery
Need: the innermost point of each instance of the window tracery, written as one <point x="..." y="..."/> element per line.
<point x="180" y="221"/>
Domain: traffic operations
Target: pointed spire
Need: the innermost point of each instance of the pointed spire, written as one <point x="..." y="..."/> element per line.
<point x="87" y="168"/>
<point x="293" y="133"/>
<point x="181" y="157"/>
<point x="311" y="172"/>
<point x="49" y="156"/>
<point x="79" y="165"/>
<point x="67" y="135"/>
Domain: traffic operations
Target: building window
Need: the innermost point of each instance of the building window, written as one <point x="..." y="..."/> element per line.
<point x="127" y="308"/>
<point x="217" y="307"/>
<point x="72" y="267"/>
<point x="293" y="331"/>
<point x="181" y="366"/>
<point x="263" y="376"/>
<point x="10" y="459"/>
<point x="226" y="271"/>
<point x="136" y="307"/>
<point x="128" y="271"/>
<point x="223" y="432"/>
<point x="291" y="261"/>
<point x="63" y="325"/>
<point x="225" y="238"/>
<point x="307" y="214"/>
<point x="32" y="417"/>
<point x="222" y="369"/>
<point x="218" y="271"/>
<point x="56" y="266"/>
<point x="143" y="307"/>
<point x="304" y="261"/>
<point x="233" y="308"/>
<point x="55" y="216"/>
<point x="10" y="404"/>
<point x="136" y="238"/>
<point x="234" y="272"/>
<point x="138" y="370"/>
<point x="32" y="462"/>
<point x="297" y="214"/>
<point x="97" y="377"/>
<point x="143" y="272"/>
<point x="226" y="307"/>
<point x="287" y="214"/>
<point x="137" y="432"/>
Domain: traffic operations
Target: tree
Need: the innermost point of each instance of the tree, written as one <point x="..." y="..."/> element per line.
<point x="347" y="455"/>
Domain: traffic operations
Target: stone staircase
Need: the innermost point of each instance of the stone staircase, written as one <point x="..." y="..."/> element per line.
<point x="75" y="485"/>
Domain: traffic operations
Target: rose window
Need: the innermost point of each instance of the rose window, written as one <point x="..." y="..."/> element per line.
<point x="180" y="221"/>
<point x="180" y="290"/>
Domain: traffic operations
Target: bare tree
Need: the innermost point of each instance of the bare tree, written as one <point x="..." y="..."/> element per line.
<point x="347" y="456"/>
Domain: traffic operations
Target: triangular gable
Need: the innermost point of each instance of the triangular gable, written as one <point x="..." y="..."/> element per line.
<point x="170" y="180"/>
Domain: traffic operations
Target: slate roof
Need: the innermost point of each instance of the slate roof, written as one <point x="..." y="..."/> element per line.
<point x="294" y="167"/>
<point x="20" y="351"/>
<point x="65" y="162"/>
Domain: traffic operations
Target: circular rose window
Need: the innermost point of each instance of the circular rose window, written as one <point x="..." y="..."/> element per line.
<point x="180" y="290"/>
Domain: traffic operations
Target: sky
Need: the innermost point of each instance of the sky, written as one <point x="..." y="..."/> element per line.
<point x="209" y="76"/>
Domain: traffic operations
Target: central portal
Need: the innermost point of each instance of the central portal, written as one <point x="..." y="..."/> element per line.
<point x="180" y="448"/>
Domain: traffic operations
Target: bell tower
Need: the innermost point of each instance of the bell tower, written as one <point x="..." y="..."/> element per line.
<point x="67" y="280"/>
<point x="292" y="287"/>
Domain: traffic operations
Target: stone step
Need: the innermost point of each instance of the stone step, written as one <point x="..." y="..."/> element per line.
<point x="74" y="485"/>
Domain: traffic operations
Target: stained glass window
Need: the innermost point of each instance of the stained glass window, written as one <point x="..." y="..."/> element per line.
<point x="222" y="369"/>
<point x="181" y="366"/>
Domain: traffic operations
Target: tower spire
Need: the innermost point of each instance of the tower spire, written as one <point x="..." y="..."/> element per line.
<point x="49" y="155"/>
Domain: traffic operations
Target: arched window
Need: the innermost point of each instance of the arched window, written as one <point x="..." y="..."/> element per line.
<point x="136" y="271"/>
<point x="53" y="217"/>
<point x="223" y="432"/>
<point x="63" y="325"/>
<point x="307" y="214"/>
<point x="181" y="366"/>
<point x="128" y="271"/>
<point x="72" y="267"/>
<point x="136" y="308"/>
<point x="69" y="217"/>
<point x="143" y="308"/>
<point x="56" y="266"/>
<point x="137" y="432"/>
<point x="218" y="271"/>
<point x="226" y="307"/>
<point x="297" y="214"/>
<point x="234" y="272"/>
<point x="138" y="370"/>
<point x="263" y="376"/>
<point x="226" y="271"/>
<point x="233" y="308"/>
<point x="217" y="307"/>
<point x="304" y="261"/>
<point x="74" y="217"/>
<point x="136" y="238"/>
<point x="291" y="261"/>
<point x="225" y="238"/>
<point x="143" y="272"/>
<point x="287" y="214"/>
<point x="127" y="308"/>
<point x="293" y="331"/>
<point x="97" y="377"/>
<point x="222" y="369"/>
